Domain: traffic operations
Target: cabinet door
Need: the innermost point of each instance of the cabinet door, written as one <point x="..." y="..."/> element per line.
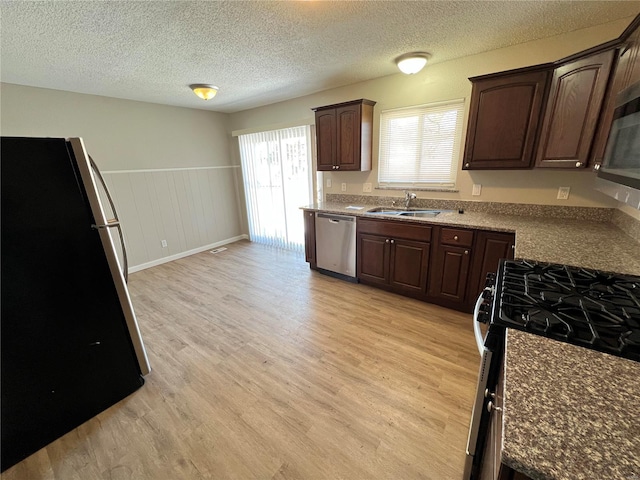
<point x="373" y="258"/>
<point x="632" y="53"/>
<point x="326" y="139"/>
<point x="310" y="238"/>
<point x="575" y="101"/>
<point x="348" y="137"/>
<point x="409" y="265"/>
<point x="504" y="117"/>
<point x="490" y="248"/>
<point x="449" y="273"/>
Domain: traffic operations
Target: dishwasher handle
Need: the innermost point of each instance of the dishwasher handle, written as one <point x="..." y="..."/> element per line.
<point x="335" y="218"/>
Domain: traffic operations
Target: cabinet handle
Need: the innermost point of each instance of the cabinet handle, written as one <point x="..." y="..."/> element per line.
<point x="596" y="167"/>
<point x="393" y="241"/>
<point x="466" y="252"/>
<point x="578" y="164"/>
<point x="467" y="165"/>
<point x="386" y="241"/>
<point x="491" y="407"/>
<point x="488" y="394"/>
<point x="337" y="167"/>
<point x="455" y="237"/>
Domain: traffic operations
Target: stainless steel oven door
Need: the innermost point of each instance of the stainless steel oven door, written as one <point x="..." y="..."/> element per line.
<point x="478" y="409"/>
<point x="483" y="379"/>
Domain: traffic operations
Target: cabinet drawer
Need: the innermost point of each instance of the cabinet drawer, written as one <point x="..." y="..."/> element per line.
<point x="455" y="236"/>
<point x="395" y="229"/>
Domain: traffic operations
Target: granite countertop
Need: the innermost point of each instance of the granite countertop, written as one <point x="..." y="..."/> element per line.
<point x="570" y="412"/>
<point x="582" y="243"/>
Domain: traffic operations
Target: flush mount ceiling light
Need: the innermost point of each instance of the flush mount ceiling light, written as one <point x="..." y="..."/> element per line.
<point x="411" y="63"/>
<point x="204" y="91"/>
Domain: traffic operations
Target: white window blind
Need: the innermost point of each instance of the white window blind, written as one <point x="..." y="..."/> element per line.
<point x="276" y="168"/>
<point x="420" y="146"/>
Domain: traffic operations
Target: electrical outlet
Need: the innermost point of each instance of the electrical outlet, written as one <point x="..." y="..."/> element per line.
<point x="563" y="193"/>
<point x="366" y="187"/>
<point x="328" y="183"/>
<point x="343" y="187"/>
<point x="477" y="188"/>
<point x="164" y="243"/>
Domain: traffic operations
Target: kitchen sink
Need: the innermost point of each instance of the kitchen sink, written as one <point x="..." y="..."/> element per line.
<point x="421" y="213"/>
<point x="404" y="213"/>
<point x="386" y="211"/>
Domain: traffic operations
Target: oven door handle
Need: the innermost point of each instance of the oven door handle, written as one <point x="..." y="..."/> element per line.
<point x="476" y="323"/>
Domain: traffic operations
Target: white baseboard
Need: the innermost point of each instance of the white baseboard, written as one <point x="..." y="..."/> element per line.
<point x="160" y="261"/>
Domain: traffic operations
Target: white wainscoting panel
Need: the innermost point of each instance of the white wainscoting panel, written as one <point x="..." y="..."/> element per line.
<point x="191" y="208"/>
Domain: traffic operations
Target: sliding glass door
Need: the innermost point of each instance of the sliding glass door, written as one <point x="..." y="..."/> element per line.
<point x="276" y="168"/>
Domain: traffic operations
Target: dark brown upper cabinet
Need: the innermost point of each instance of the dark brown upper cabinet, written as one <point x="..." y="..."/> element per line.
<point x="504" y="117"/>
<point x="573" y="110"/>
<point x="553" y="115"/>
<point x="344" y="136"/>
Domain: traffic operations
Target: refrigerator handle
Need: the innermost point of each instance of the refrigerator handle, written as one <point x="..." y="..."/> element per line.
<point x="112" y="224"/>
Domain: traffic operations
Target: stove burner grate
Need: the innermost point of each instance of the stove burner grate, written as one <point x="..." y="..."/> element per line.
<point x="594" y="309"/>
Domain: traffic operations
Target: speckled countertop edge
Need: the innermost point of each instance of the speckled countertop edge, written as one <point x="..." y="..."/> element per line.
<point x="570" y="413"/>
<point x="581" y="243"/>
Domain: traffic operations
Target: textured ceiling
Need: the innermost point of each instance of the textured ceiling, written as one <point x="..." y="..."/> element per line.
<point x="259" y="52"/>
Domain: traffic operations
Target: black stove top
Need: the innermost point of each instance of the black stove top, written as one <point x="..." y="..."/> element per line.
<point x="590" y="308"/>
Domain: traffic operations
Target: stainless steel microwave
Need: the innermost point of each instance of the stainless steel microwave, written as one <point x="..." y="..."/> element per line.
<point x="622" y="156"/>
<point x="621" y="164"/>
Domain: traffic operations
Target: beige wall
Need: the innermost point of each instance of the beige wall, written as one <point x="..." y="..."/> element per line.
<point x="170" y="169"/>
<point x="119" y="134"/>
<point x="444" y="81"/>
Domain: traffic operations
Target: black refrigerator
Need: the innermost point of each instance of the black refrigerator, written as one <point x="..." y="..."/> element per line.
<point x="70" y="343"/>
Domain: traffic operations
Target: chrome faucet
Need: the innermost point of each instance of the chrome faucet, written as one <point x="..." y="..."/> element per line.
<point x="408" y="196"/>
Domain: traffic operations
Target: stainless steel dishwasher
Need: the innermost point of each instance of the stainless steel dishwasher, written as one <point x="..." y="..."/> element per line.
<point x="336" y="243"/>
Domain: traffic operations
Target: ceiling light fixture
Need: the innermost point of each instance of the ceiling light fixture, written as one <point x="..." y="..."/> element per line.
<point x="204" y="91"/>
<point x="411" y="63"/>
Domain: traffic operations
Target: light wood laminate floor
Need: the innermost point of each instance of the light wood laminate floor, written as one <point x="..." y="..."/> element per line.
<point x="263" y="369"/>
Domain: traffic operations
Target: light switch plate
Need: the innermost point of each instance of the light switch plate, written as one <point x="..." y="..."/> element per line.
<point x="563" y="193"/>
<point x="366" y="187"/>
<point x="477" y="189"/>
<point x="328" y="183"/>
<point x="343" y="187"/>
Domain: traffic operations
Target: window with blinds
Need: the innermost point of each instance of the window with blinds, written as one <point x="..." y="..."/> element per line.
<point x="420" y="146"/>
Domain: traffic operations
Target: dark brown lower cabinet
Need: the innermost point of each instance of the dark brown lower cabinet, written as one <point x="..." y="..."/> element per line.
<point x="438" y="264"/>
<point x="393" y="255"/>
<point x="489" y="249"/>
<point x="310" y="238"/>
<point x="449" y="275"/>
<point x="409" y="263"/>
<point x="373" y="258"/>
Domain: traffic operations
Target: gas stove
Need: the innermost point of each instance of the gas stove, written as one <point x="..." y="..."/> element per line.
<point x="590" y="308"/>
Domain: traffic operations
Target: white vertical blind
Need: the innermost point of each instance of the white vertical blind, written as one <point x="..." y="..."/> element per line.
<point x="276" y="167"/>
<point x="420" y="146"/>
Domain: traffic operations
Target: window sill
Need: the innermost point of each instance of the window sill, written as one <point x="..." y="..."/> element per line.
<point x="419" y="189"/>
